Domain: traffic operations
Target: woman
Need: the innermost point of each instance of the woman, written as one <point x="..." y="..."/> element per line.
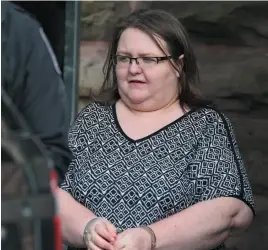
<point x="151" y="159"/>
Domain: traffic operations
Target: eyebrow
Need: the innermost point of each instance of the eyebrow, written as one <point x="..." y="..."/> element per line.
<point x="139" y="55"/>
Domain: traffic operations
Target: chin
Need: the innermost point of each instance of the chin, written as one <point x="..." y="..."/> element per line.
<point x="138" y="96"/>
<point x="137" y="100"/>
<point x="135" y="97"/>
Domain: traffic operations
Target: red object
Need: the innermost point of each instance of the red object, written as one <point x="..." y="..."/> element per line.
<point x="57" y="228"/>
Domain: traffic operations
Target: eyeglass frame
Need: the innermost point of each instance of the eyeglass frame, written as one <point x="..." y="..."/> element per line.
<point x="158" y="58"/>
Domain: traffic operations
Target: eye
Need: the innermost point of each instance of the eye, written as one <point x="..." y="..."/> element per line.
<point x="149" y="60"/>
<point x="122" y="58"/>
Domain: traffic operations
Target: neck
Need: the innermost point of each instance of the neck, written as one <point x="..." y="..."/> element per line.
<point x="141" y="109"/>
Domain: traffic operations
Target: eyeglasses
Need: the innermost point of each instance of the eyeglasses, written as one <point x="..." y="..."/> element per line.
<point x="143" y="62"/>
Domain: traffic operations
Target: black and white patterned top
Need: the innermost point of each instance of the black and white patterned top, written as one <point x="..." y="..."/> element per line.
<point x="138" y="182"/>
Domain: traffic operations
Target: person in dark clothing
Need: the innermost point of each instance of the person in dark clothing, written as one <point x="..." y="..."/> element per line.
<point x="32" y="79"/>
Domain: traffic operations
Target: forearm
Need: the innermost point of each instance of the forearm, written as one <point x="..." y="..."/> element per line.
<point x="74" y="218"/>
<point x="203" y="226"/>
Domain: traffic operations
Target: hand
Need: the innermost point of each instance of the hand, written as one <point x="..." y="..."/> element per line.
<point x="133" y="239"/>
<point x="101" y="235"/>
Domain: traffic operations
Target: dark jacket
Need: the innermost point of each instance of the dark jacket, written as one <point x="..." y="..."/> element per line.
<point x="32" y="78"/>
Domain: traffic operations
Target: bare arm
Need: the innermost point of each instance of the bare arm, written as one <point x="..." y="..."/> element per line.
<point x="203" y="226"/>
<point x="74" y="218"/>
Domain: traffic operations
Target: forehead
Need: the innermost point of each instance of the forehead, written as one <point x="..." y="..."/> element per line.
<point x="134" y="41"/>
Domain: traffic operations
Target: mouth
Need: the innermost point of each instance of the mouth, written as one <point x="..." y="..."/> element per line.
<point x="136" y="82"/>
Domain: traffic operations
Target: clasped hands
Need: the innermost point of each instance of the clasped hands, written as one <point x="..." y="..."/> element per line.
<point x="102" y="235"/>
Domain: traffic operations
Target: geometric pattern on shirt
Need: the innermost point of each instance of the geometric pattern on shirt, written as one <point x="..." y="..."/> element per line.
<point x="136" y="183"/>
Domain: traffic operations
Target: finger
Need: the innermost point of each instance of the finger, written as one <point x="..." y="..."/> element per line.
<point x="119" y="246"/>
<point x="111" y="228"/>
<point x="119" y="243"/>
<point x="101" y="229"/>
<point x="92" y="246"/>
<point x="102" y="243"/>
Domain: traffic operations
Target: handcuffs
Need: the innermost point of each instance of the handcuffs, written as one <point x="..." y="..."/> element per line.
<point x="118" y="231"/>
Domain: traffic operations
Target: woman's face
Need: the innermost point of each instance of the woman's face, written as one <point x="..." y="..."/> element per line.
<point x="149" y="85"/>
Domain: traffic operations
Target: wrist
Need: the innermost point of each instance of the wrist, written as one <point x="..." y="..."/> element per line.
<point x="152" y="236"/>
<point x="87" y="228"/>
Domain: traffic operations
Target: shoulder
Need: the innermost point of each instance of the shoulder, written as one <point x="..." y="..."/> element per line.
<point x="18" y="17"/>
<point x="20" y="29"/>
<point x="93" y="108"/>
<point x="86" y="125"/>
<point x="91" y="113"/>
<point x="210" y="118"/>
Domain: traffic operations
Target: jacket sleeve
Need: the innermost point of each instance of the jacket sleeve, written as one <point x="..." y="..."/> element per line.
<point x="44" y="104"/>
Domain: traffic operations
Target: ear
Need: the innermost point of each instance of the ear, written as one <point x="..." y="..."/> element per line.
<point x="180" y="63"/>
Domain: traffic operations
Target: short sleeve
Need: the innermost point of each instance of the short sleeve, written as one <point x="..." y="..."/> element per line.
<point x="220" y="171"/>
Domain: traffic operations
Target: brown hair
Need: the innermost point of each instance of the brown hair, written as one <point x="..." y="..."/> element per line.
<point x="162" y="24"/>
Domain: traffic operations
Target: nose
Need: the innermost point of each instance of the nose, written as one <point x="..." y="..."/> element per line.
<point x="134" y="68"/>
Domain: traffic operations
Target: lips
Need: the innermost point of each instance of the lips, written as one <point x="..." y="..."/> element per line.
<point x="136" y="81"/>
